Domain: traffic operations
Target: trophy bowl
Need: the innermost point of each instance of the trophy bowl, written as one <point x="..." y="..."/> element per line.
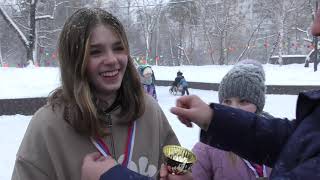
<point x="178" y="159"/>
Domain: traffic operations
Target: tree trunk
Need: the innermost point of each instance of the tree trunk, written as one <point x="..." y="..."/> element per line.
<point x="180" y="60"/>
<point x="171" y="50"/>
<point x="157" y="40"/>
<point x="147" y="45"/>
<point x="209" y="43"/>
<point x="32" y="32"/>
<point x="1" y="60"/>
<point x="275" y="45"/>
<point x="191" y="46"/>
<point x="222" y="49"/>
<point x="280" y="60"/>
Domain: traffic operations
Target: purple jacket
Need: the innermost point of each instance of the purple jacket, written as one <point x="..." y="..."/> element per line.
<point x="151" y="90"/>
<point x="215" y="164"/>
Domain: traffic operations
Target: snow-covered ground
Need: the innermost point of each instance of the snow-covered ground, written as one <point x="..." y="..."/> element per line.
<point x="294" y="74"/>
<point x="34" y="82"/>
<point x="39" y="82"/>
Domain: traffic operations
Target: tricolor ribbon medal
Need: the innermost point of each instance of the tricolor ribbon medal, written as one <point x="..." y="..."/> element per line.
<point x="253" y="169"/>
<point x="102" y="147"/>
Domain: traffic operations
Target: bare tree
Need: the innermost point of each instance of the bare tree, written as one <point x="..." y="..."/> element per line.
<point x="250" y="39"/>
<point x="184" y="13"/>
<point x="28" y="37"/>
<point x="148" y="17"/>
<point x="218" y="20"/>
<point x="204" y="17"/>
<point x="281" y="11"/>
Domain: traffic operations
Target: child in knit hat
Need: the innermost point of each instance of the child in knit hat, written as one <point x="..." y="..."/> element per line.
<point x="148" y="80"/>
<point x="242" y="87"/>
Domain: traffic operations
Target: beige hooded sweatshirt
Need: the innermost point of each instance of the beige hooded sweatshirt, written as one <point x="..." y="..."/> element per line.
<point x="52" y="150"/>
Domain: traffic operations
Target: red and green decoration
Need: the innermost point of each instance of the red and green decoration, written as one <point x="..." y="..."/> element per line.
<point x="142" y="60"/>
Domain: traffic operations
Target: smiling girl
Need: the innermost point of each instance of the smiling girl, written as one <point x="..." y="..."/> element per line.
<point x="100" y="106"/>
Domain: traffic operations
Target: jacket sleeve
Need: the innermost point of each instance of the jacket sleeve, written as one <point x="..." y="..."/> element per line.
<point x="202" y="169"/>
<point x="24" y="170"/>
<point x="250" y="136"/>
<point x="307" y="170"/>
<point x="32" y="159"/>
<point x="120" y="172"/>
<point x="300" y="158"/>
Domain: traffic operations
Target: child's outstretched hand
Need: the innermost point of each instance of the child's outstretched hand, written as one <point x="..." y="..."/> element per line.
<point x="192" y="109"/>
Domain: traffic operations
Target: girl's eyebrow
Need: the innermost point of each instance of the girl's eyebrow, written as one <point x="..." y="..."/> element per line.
<point x="95" y="45"/>
<point x="118" y="43"/>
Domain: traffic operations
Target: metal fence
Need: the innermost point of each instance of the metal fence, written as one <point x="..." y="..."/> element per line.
<point x="28" y="106"/>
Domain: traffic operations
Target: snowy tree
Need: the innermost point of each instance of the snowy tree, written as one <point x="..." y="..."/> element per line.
<point x="185" y="13"/>
<point x="148" y="18"/>
<point x="28" y="36"/>
<point x="219" y="19"/>
<point x="282" y="13"/>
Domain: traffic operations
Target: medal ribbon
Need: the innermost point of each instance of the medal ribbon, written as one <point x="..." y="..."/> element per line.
<point x="254" y="170"/>
<point x="104" y="150"/>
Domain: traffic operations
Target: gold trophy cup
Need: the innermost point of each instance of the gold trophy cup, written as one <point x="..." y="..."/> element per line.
<point x="178" y="159"/>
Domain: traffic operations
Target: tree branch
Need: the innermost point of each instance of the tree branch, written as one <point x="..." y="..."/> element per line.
<point x="14" y="26"/>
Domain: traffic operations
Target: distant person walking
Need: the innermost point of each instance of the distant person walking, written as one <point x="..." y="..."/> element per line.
<point x="183" y="84"/>
<point x="176" y="81"/>
<point x="179" y="85"/>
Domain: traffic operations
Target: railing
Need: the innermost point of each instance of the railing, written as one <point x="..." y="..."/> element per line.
<point x="27" y="106"/>
<point x="271" y="89"/>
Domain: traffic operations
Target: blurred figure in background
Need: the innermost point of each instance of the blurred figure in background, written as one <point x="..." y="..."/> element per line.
<point x="179" y="85"/>
<point x="183" y="85"/>
<point x="148" y="80"/>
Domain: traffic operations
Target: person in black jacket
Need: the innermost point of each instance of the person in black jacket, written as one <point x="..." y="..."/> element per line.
<point x="175" y="84"/>
<point x="177" y="79"/>
<point x="291" y="148"/>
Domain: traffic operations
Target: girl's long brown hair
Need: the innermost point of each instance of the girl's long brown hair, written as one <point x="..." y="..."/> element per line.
<point x="75" y="93"/>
